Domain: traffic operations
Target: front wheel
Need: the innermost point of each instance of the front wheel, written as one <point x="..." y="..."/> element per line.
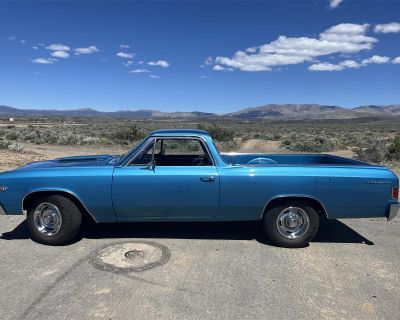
<point x="292" y="224"/>
<point x="54" y="220"/>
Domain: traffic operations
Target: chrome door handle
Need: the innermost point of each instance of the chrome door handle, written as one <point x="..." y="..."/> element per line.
<point x="207" y="179"/>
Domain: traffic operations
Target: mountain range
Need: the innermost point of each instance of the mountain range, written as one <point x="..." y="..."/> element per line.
<point x="265" y="112"/>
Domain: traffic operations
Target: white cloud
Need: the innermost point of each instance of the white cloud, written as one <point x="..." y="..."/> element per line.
<point x="23" y="41"/>
<point x="376" y="60"/>
<point x="217" y="67"/>
<point x="35" y="47"/>
<point x="87" y="50"/>
<point x="127" y="63"/>
<point x="327" y="66"/>
<point x="139" y="71"/>
<point x="334" y="3"/>
<point x="125" y="46"/>
<point x="44" y="61"/>
<point x="125" y="55"/>
<point x="60" y="54"/>
<point x="204" y="77"/>
<point x="345" y="38"/>
<point x="153" y="76"/>
<point x="58" y="47"/>
<point x="393" y="27"/>
<point x="160" y="63"/>
<point x="11" y="38"/>
<point x="350" y="64"/>
<point x="396" y="60"/>
<point x="209" y="61"/>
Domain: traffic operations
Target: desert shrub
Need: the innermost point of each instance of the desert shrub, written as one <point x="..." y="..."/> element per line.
<point x="276" y="136"/>
<point x="15" y="146"/>
<point x="309" y="143"/>
<point x="68" y="139"/>
<point x="12" y="135"/>
<point x="128" y="134"/>
<point x="48" y="137"/>
<point x="218" y="133"/>
<point x="393" y="152"/>
<point x="375" y="152"/>
<point x="4" y="144"/>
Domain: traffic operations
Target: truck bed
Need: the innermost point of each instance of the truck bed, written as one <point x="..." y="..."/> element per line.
<point x="289" y="159"/>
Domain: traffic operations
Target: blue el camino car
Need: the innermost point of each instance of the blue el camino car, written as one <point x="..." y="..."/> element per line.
<point x="179" y="175"/>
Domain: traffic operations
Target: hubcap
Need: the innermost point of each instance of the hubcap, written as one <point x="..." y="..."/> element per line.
<point x="47" y="218"/>
<point x="293" y="222"/>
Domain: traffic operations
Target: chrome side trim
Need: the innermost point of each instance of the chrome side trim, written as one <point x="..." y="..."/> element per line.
<point x="394" y="211"/>
<point x="295" y="196"/>
<point x="57" y="190"/>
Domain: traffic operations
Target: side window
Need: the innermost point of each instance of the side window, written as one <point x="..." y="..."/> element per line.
<point x="175" y="152"/>
<point x="182" y="152"/>
<point x="183" y="147"/>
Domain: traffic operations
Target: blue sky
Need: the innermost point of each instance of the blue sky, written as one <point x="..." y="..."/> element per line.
<point x="214" y="56"/>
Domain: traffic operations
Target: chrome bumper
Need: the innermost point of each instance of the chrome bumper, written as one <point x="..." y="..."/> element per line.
<point x="394" y="210"/>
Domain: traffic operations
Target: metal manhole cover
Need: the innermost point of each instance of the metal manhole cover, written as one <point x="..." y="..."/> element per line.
<point x="134" y="254"/>
<point x="131" y="256"/>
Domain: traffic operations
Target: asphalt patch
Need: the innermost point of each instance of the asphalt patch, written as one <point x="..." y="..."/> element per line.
<point x="132" y="256"/>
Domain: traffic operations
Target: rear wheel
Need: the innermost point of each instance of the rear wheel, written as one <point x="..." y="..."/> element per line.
<point x="291" y="224"/>
<point x="54" y="220"/>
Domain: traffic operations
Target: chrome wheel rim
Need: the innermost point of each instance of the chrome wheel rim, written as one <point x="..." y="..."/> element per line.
<point x="47" y="218"/>
<point x="293" y="222"/>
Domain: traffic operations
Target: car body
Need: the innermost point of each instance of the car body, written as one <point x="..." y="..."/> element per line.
<point x="153" y="182"/>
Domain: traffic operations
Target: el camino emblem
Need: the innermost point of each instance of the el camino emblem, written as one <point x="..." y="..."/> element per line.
<point x="3" y="188"/>
<point x="378" y="182"/>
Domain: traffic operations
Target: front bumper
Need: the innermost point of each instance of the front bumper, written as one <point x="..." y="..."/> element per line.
<point x="394" y="211"/>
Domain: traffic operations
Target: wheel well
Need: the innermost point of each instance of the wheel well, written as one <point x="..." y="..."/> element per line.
<point x="34" y="196"/>
<point x="315" y="204"/>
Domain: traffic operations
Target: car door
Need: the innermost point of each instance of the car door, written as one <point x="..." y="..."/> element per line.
<point x="179" y="186"/>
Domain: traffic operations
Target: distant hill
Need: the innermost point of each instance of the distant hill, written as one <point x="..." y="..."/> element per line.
<point x="269" y="111"/>
<point x="6" y="111"/>
<point x="393" y="109"/>
<point x="294" y="112"/>
<point x="154" y="114"/>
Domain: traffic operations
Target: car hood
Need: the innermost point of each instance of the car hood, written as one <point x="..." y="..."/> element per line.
<point x="76" y="161"/>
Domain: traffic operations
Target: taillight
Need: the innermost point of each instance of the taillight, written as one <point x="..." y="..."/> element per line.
<point x="395" y="193"/>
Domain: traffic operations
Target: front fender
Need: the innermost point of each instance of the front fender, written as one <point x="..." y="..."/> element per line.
<point x="91" y="186"/>
<point x="56" y="191"/>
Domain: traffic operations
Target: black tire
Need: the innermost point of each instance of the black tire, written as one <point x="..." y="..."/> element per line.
<point x="270" y="224"/>
<point x="70" y="225"/>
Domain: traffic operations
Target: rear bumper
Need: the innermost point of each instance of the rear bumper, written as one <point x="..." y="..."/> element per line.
<point x="394" y="211"/>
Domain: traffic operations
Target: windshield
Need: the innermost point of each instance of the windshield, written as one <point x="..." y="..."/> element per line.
<point x="129" y="154"/>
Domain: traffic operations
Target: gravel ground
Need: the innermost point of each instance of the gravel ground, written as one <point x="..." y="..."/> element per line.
<point x="201" y="271"/>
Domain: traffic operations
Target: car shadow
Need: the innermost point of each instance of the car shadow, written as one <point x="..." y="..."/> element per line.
<point x="331" y="231"/>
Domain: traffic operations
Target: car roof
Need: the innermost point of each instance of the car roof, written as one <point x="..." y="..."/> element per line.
<point x="179" y="132"/>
